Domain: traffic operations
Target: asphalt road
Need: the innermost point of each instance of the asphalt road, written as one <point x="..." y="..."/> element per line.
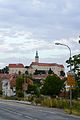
<point x="17" y="111"/>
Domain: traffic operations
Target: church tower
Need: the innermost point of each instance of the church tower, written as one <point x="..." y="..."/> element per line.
<point x="37" y="57"/>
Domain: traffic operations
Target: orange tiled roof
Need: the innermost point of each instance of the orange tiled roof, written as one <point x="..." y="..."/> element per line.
<point x="10" y="77"/>
<point x="47" y="64"/>
<point x="16" y="66"/>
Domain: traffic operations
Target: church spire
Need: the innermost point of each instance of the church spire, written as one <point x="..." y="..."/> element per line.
<point x="37" y="57"/>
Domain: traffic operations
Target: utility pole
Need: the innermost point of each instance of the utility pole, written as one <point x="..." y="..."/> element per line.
<point x="70" y="72"/>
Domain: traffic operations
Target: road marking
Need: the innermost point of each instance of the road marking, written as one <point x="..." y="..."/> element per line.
<point x="30" y="118"/>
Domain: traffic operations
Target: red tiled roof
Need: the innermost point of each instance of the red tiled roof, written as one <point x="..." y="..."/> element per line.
<point x="47" y="64"/>
<point x="16" y="66"/>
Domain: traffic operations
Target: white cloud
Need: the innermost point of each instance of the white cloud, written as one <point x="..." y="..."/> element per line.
<point x="30" y="25"/>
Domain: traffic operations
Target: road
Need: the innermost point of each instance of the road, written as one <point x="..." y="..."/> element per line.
<point x="17" y="111"/>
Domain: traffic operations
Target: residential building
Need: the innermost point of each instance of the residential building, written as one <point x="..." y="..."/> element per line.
<point x="8" y="84"/>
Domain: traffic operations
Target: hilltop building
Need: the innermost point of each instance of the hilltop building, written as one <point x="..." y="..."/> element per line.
<point x="42" y="68"/>
<point x="56" y="68"/>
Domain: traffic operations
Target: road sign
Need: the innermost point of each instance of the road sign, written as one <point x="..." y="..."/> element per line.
<point x="71" y="80"/>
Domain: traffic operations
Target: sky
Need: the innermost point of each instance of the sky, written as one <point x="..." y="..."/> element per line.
<point x="27" y="26"/>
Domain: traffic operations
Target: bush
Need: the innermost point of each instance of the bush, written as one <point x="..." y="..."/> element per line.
<point x="56" y="103"/>
<point x="0" y="92"/>
<point x="20" y="94"/>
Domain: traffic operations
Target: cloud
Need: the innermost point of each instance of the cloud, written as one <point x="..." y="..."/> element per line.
<point x="42" y="18"/>
<point x="30" y="25"/>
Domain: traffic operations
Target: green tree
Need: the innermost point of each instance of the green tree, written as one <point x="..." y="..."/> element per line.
<point x="52" y="85"/>
<point x="33" y="89"/>
<point x="36" y="72"/>
<point x="75" y="64"/>
<point x="26" y="72"/>
<point x="62" y="73"/>
<point x="19" y="85"/>
<point x="74" y="61"/>
<point x="50" y="71"/>
<point x="5" y="70"/>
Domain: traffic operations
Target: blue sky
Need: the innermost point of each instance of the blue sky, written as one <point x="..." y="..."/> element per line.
<point x="30" y="25"/>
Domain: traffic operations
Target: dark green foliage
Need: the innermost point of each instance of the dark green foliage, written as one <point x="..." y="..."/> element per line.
<point x="62" y="73"/>
<point x="19" y="72"/>
<point x="33" y="89"/>
<point x="50" y="71"/>
<point x="0" y="92"/>
<point x="19" y="83"/>
<point x="26" y="72"/>
<point x="75" y="93"/>
<point x="39" y="72"/>
<point x="36" y="72"/>
<point x="4" y="70"/>
<point x="52" y="85"/>
<point x="75" y="62"/>
<point x="20" y="93"/>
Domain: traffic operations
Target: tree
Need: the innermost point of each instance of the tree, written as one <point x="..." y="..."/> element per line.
<point x="33" y="89"/>
<point x="5" y="70"/>
<point x="50" y="71"/>
<point x="19" y="85"/>
<point x="74" y="61"/>
<point x="52" y="85"/>
<point x="26" y="72"/>
<point x="62" y="73"/>
<point x="36" y="72"/>
<point x="19" y="72"/>
<point x="75" y="64"/>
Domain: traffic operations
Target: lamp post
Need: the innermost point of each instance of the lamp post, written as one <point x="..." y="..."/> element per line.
<point x="79" y="40"/>
<point x="70" y="71"/>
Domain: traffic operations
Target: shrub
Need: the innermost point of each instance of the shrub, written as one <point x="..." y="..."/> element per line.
<point x="20" y="94"/>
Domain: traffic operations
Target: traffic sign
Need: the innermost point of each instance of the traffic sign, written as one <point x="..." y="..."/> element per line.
<point x="71" y="80"/>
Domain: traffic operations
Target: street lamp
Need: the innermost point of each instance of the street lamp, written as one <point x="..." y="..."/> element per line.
<point x="70" y="71"/>
<point x="79" y="40"/>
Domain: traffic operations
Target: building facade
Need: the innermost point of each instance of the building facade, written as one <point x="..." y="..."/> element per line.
<point x="16" y="68"/>
<point x="56" y="68"/>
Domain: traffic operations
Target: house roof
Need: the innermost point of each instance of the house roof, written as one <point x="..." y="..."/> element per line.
<point x="16" y="65"/>
<point x="10" y="77"/>
<point x="47" y="64"/>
